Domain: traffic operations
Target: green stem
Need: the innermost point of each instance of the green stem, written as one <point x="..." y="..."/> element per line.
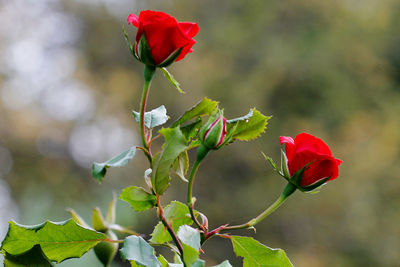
<point x="148" y="76"/>
<point x="202" y="152"/>
<point x="289" y="189"/>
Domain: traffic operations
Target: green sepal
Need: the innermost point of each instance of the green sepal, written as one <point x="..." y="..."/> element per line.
<point x="144" y="52"/>
<point x="138" y="198"/>
<point x="213" y="116"/>
<point x="129" y="44"/>
<point x="273" y="165"/>
<point x="172" y="80"/>
<point x="77" y="218"/>
<point x="171" y="58"/>
<point x="111" y="211"/>
<point x="98" y="221"/>
<point x="205" y="107"/>
<point x="284" y="165"/>
<point x="99" y="170"/>
<point x="315" y="185"/>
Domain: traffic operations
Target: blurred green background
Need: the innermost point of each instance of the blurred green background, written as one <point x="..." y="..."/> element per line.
<point x="329" y="68"/>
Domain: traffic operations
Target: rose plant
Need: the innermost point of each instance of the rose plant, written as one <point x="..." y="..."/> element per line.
<point x="306" y="164"/>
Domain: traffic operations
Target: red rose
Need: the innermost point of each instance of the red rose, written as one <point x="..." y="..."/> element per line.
<point x="164" y="35"/>
<point x="307" y="149"/>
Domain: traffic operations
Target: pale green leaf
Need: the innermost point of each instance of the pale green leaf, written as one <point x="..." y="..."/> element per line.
<point x="204" y="107"/>
<point x="181" y="166"/>
<point x="256" y="254"/>
<point x="171" y="79"/>
<point x="224" y="264"/>
<point x="177" y="214"/>
<point x="138" y="198"/>
<point x="99" y="169"/>
<point x="137" y="250"/>
<point x="58" y="241"/>
<point x="153" y="118"/>
<point x="175" y="144"/>
<point x="189" y="236"/>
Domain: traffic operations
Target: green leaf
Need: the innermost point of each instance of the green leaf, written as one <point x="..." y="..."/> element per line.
<point x="163" y="261"/>
<point x="190" y="239"/>
<point x="153" y="118"/>
<point x="32" y="258"/>
<point x="177" y="214"/>
<point x="199" y="263"/>
<point x="247" y="127"/>
<point x="256" y="254"/>
<point x="192" y="129"/>
<point x="224" y="264"/>
<point x="138" y="251"/>
<point x="204" y="107"/>
<point x="138" y="198"/>
<point x="189" y="236"/>
<point x="171" y="79"/>
<point x="99" y="169"/>
<point x="190" y="255"/>
<point x="181" y="166"/>
<point x="58" y="241"/>
<point x="175" y="144"/>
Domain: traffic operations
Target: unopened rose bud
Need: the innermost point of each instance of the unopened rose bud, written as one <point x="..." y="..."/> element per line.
<point x="215" y="134"/>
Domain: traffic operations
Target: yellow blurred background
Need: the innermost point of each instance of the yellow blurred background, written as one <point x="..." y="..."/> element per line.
<point x="330" y="68"/>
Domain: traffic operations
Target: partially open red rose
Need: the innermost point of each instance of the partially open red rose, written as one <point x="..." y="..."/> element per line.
<point x="305" y="149"/>
<point x="164" y="34"/>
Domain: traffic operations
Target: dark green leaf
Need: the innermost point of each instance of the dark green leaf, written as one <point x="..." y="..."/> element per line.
<point x="177" y="214"/>
<point x="192" y="129"/>
<point x="137" y="250"/>
<point x="171" y="79"/>
<point x="256" y="254"/>
<point x="175" y="144"/>
<point x="58" y="241"/>
<point x="138" y="198"/>
<point x="247" y="127"/>
<point x="33" y="258"/>
<point x="99" y="169"/>
<point x="153" y="118"/>
<point x="204" y="107"/>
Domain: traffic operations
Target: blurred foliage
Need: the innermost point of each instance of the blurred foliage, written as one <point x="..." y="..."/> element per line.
<point x="330" y="68"/>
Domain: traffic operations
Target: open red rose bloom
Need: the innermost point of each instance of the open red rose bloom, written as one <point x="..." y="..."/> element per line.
<point x="164" y="34"/>
<point x="305" y="149"/>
